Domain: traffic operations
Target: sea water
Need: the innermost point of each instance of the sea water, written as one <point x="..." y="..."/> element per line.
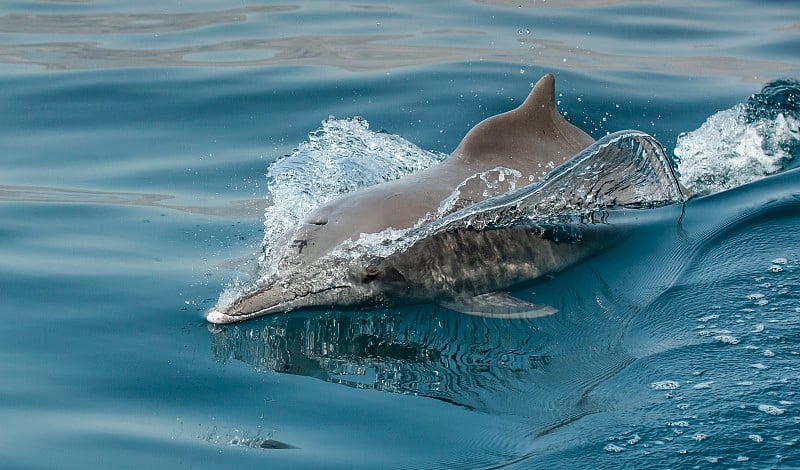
<point x="148" y="150"/>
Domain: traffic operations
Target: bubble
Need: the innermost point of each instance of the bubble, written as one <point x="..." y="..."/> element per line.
<point x="613" y="448"/>
<point x="708" y="317"/>
<point x="678" y="424"/>
<point x="665" y="385"/>
<point x="771" y="410"/>
<point x="727" y="339"/>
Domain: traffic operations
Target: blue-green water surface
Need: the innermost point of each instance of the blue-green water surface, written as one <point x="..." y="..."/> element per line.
<point x="134" y="142"/>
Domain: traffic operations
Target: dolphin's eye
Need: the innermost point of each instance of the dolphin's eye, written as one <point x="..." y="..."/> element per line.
<point x="316" y="220"/>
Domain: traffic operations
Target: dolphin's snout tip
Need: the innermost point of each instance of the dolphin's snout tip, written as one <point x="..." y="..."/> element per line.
<point x="218" y="318"/>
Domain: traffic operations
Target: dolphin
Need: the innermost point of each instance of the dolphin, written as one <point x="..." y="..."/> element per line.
<point x="467" y="259"/>
<point x="531" y="139"/>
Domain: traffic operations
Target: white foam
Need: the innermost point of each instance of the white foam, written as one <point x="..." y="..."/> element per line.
<point x="728" y="151"/>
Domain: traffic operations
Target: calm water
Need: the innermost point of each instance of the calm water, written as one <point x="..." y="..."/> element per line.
<point x="134" y="142"/>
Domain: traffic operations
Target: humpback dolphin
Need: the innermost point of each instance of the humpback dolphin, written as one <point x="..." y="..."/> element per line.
<point x="466" y="259"/>
<point x="528" y="139"/>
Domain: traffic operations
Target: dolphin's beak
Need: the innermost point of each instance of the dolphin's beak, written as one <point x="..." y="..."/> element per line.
<point x="279" y="297"/>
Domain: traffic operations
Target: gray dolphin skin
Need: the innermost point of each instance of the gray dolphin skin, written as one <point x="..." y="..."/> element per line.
<point x="466" y="259"/>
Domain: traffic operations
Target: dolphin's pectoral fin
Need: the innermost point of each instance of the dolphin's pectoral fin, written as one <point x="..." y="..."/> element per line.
<point x="499" y="305"/>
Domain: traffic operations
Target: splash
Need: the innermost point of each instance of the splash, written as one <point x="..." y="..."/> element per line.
<point x="738" y="145"/>
<point x="480" y="186"/>
<point x="344" y="155"/>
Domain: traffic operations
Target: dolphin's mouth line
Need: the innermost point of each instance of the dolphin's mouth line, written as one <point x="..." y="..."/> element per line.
<point x="220" y="317"/>
<point x="317" y="292"/>
<point x="296" y="297"/>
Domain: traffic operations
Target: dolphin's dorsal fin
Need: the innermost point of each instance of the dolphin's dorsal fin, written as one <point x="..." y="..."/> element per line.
<point x="535" y="130"/>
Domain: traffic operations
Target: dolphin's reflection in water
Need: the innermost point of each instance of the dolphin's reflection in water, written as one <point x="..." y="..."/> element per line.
<point x="423" y="350"/>
<point x="506" y="367"/>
